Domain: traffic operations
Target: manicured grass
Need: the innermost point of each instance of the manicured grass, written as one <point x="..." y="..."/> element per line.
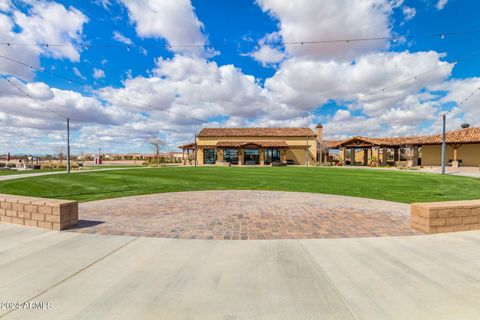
<point x="398" y="186"/>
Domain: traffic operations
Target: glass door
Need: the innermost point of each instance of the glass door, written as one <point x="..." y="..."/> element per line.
<point x="251" y="156"/>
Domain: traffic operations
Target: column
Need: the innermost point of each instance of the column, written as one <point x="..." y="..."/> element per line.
<point x="240" y="156"/>
<point x="262" y="156"/>
<point x="396" y="154"/>
<point x="344" y="156"/>
<point x="283" y="155"/>
<point x="352" y="156"/>
<point x="365" y="156"/>
<point x="414" y="156"/>
<point x="384" y="156"/>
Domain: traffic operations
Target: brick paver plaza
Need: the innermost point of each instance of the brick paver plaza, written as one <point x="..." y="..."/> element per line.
<point x="245" y="215"/>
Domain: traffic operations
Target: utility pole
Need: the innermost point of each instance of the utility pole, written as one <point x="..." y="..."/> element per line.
<point x="306" y="153"/>
<point x="444" y="143"/>
<point x="68" y="145"/>
<point x="195" y="150"/>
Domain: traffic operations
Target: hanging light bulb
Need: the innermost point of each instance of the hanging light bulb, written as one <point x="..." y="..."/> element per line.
<point x="442" y="36"/>
<point x="128" y="48"/>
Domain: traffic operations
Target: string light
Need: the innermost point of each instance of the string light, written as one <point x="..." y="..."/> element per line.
<point x="394" y="39"/>
<point x="129" y="100"/>
<point x="470" y="96"/>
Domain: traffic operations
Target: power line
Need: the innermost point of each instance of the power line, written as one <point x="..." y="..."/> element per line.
<point x="70" y="80"/>
<point x="415" y="77"/>
<point x="469" y="96"/>
<point x="33" y="98"/>
<point x="128" y="47"/>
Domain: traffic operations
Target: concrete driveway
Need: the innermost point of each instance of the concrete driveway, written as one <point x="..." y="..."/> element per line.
<point x="90" y="276"/>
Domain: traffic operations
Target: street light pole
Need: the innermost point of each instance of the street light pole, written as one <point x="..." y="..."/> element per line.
<point x="195" y="150"/>
<point x="306" y="153"/>
<point x="68" y="145"/>
<point x="444" y="143"/>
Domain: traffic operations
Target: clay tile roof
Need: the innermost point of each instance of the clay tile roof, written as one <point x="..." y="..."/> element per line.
<point x="263" y="144"/>
<point x="256" y="132"/>
<point x="468" y="135"/>
<point x="187" y="146"/>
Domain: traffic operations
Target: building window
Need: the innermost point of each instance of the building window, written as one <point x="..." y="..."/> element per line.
<point x="251" y="156"/>
<point x="209" y="156"/>
<point x="272" y="155"/>
<point x="231" y="156"/>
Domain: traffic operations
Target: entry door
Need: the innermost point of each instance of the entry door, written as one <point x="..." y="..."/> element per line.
<point x="251" y="156"/>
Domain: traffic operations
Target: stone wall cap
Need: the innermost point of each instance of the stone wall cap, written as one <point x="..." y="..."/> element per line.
<point x="35" y="200"/>
<point x="448" y="204"/>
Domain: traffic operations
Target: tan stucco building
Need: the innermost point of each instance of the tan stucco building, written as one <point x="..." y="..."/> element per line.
<point x="264" y="146"/>
<point x="255" y="146"/>
<point x="463" y="148"/>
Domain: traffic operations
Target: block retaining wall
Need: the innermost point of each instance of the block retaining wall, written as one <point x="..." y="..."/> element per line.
<point x="438" y="217"/>
<point x="38" y="212"/>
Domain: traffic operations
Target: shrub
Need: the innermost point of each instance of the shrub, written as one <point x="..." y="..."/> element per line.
<point x="2" y="164"/>
<point x="11" y="165"/>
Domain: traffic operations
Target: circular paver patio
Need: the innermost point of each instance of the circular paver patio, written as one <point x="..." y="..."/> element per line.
<point x="245" y="215"/>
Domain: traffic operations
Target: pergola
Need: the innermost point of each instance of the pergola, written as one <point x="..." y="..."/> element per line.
<point x="378" y="147"/>
<point x="187" y="147"/>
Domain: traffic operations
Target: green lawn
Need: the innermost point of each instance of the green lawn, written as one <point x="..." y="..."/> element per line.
<point x="376" y="184"/>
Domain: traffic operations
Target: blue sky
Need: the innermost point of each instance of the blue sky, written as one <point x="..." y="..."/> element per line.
<point x="130" y="85"/>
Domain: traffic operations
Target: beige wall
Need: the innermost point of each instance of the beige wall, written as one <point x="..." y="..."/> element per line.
<point x="295" y="154"/>
<point x="468" y="153"/>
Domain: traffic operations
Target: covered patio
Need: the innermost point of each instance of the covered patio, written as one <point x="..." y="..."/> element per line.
<point x="383" y="151"/>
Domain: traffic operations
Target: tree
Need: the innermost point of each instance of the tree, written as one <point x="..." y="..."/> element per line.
<point x="157" y="144"/>
<point x="60" y="151"/>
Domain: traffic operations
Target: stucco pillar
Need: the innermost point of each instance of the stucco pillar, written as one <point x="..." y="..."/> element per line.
<point x="344" y="156"/>
<point x="414" y="156"/>
<point x="283" y="155"/>
<point x="365" y="156"/>
<point x="219" y="154"/>
<point x="262" y="157"/>
<point x="352" y="156"/>
<point x="240" y="156"/>
<point x="384" y="156"/>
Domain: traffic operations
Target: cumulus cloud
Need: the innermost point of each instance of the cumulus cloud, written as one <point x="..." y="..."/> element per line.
<point x="174" y="21"/>
<point x="267" y="55"/>
<point x="44" y="22"/>
<point x="301" y="20"/>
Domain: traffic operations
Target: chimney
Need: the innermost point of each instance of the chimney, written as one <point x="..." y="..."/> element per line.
<point x="319" y="132"/>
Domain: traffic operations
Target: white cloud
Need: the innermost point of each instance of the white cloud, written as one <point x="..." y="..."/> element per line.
<point x="311" y="20"/>
<point x="121" y="38"/>
<point x="409" y="13"/>
<point x="98" y="73"/>
<point x="441" y="4"/>
<point x="45" y="22"/>
<point x="104" y="3"/>
<point x="267" y="55"/>
<point x="174" y="21"/>
<point x="78" y="73"/>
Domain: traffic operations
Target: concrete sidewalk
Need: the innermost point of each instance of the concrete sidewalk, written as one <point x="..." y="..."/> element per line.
<point x="37" y="174"/>
<point x="112" y="277"/>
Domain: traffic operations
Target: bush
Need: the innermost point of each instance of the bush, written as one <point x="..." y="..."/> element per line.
<point x="11" y="165"/>
<point x="2" y="164"/>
